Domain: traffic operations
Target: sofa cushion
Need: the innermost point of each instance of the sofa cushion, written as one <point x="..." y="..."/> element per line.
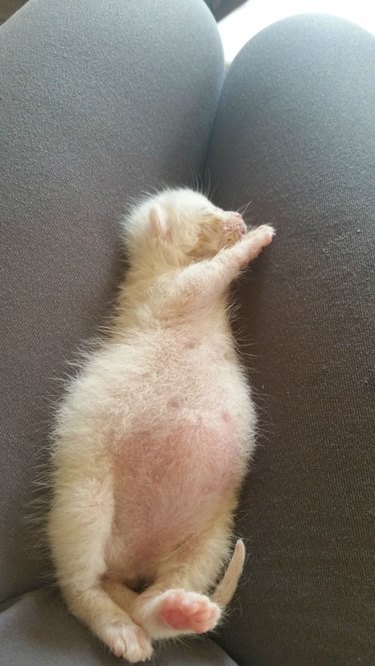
<point x="38" y="630"/>
<point x="89" y="119"/>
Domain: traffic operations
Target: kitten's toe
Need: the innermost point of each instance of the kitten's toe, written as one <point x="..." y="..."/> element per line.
<point x="128" y="641"/>
<point x="257" y="239"/>
<point x="264" y="234"/>
<point x="188" y="611"/>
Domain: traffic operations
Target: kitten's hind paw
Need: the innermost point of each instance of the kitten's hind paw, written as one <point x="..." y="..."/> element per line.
<point x="128" y="641"/>
<point x="187" y="611"/>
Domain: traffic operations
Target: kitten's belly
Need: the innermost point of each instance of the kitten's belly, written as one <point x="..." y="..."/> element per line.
<point x="169" y="481"/>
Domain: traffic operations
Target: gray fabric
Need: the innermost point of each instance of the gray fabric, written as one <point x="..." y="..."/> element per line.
<point x="220" y="8"/>
<point x="100" y="100"/>
<point x="295" y="135"/>
<point x="38" y="630"/>
<point x="90" y="117"/>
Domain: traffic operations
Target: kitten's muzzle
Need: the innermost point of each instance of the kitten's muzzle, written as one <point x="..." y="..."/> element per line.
<point x="234" y="224"/>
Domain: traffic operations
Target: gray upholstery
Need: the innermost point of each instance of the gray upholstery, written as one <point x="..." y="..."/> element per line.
<point x="102" y="99"/>
<point x="295" y="135"/>
<point x="38" y="630"/>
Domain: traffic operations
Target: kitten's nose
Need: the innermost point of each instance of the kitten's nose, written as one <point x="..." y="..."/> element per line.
<point x="237" y="221"/>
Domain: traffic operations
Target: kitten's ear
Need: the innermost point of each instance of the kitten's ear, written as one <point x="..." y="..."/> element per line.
<point x="159" y="222"/>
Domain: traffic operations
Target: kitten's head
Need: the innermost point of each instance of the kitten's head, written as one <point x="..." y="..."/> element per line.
<point x="180" y="227"/>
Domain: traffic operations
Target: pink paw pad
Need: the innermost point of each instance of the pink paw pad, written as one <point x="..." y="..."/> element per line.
<point x="188" y="611"/>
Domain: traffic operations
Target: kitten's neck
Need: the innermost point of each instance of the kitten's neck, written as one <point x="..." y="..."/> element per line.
<point x="148" y="298"/>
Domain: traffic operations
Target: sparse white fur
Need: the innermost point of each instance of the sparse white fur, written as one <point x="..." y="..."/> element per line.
<point x="153" y="438"/>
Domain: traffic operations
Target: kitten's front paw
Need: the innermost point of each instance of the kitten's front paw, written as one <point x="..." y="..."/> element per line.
<point x="128" y="641"/>
<point x="264" y="234"/>
<point x="255" y="240"/>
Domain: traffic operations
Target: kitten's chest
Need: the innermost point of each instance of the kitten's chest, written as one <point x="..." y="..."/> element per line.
<point x="187" y="423"/>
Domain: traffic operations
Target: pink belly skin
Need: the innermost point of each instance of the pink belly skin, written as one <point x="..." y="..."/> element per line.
<point x="169" y="481"/>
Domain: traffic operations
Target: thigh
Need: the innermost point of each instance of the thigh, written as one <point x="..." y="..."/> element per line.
<point x="295" y="136"/>
<point x="100" y="101"/>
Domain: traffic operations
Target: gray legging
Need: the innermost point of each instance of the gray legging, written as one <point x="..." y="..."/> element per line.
<point x="103" y="100"/>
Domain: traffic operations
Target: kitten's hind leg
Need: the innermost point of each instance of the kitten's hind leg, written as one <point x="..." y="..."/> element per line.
<point x="79" y="527"/>
<point x="177" y="603"/>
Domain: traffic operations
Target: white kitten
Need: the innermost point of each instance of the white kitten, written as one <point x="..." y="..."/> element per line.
<point x="153" y="439"/>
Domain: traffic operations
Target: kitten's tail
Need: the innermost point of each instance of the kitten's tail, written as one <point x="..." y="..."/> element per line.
<point x="228" y="584"/>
